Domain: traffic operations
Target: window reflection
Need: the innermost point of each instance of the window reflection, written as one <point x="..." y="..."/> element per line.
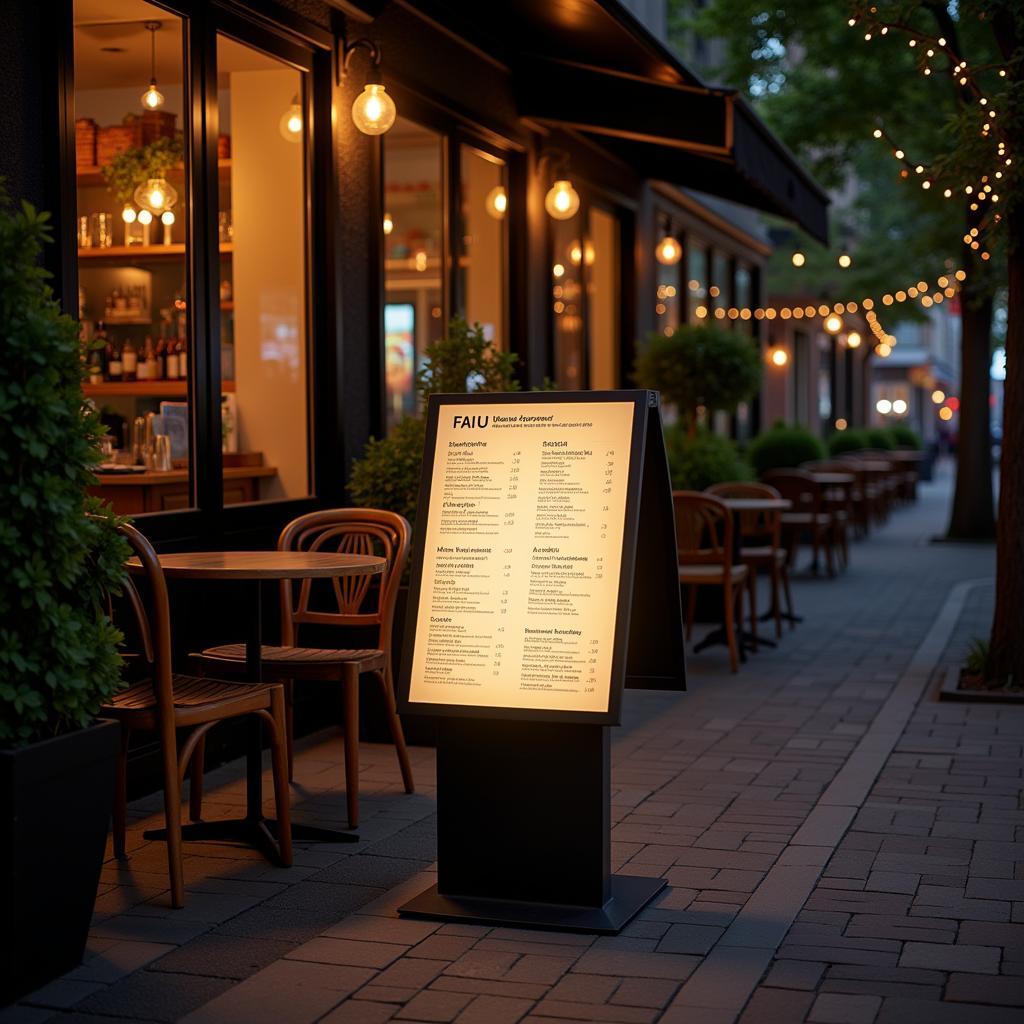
<point x="263" y="287"/>
<point x="601" y="259"/>
<point x="483" y="184"/>
<point x="567" y="267"/>
<point x="696" y="279"/>
<point x="414" y="261"/>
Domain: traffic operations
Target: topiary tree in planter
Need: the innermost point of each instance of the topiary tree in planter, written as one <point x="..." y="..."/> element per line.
<point x="905" y="437"/>
<point x="696" y="463"/>
<point x="845" y="441"/>
<point x="58" y="649"/>
<point x="879" y="437"/>
<point x="699" y="368"/>
<point x="783" y="447"/>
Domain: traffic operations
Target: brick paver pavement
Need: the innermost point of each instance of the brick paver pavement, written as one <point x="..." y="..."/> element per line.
<point x="839" y="848"/>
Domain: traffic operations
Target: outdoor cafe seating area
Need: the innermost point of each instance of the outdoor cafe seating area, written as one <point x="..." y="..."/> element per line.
<point x="734" y="533"/>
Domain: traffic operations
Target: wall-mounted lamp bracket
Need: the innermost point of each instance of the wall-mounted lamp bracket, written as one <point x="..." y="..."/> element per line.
<point x="347" y="49"/>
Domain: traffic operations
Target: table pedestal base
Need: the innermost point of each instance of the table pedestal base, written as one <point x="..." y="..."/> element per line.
<point x="260" y="833"/>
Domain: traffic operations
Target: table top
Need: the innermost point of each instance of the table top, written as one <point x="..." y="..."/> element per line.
<point x="757" y="504"/>
<point x="874" y="465"/>
<point x="830" y="478"/>
<point x="263" y="565"/>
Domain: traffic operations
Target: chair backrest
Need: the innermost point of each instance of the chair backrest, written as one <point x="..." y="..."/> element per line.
<point x="152" y="619"/>
<point x="798" y="486"/>
<point x="704" y="529"/>
<point x="761" y="524"/>
<point x="365" y="600"/>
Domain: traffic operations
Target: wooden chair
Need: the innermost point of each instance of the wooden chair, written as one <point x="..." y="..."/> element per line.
<point x="164" y="701"/>
<point x="365" y="602"/>
<point x="761" y="544"/>
<point x="808" y="515"/>
<point x="705" y="544"/>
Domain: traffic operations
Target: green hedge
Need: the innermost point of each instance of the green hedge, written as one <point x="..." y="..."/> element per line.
<point x="880" y="437"/>
<point x="698" y="462"/>
<point x="844" y="441"/>
<point x="904" y="437"/>
<point x="783" y="447"/>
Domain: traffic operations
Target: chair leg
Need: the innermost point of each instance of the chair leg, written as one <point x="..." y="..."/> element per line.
<point x="172" y="815"/>
<point x="691" y="609"/>
<point x="289" y="725"/>
<point x="789" y="596"/>
<point x="730" y="625"/>
<point x="752" y="588"/>
<point x="395" y="725"/>
<point x="195" y="788"/>
<point x="279" y="769"/>
<point x="120" y="812"/>
<point x="350" y="697"/>
<point x="776" y="600"/>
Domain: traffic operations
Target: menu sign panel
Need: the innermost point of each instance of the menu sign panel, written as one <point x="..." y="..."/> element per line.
<point x="526" y="535"/>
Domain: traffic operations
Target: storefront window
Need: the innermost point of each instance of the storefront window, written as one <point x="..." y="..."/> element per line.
<point x="132" y="178"/>
<point x="483" y="187"/>
<point x="670" y="290"/>
<point x="414" y="258"/>
<point x="697" y="279"/>
<point x="263" y="280"/>
<point x="744" y="286"/>
<point x="601" y="259"/>
<point x="569" y="252"/>
<point x="721" y="284"/>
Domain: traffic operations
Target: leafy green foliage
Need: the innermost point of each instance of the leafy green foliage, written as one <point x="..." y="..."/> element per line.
<point x="979" y="660"/>
<point x="905" y="437"/>
<point x="698" y="367"/>
<point x="783" y="447"/>
<point x="879" y="437"/>
<point x="698" y="462"/>
<point x="135" y="166"/>
<point x="844" y="441"/>
<point x="388" y="473"/>
<point x="58" y="650"/>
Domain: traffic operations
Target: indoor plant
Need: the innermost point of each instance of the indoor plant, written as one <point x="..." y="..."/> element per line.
<point x="58" y="649"/>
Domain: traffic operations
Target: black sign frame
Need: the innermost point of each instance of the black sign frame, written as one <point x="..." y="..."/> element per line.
<point x="645" y="404"/>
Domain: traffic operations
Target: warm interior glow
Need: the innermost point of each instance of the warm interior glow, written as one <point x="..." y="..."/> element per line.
<point x="779" y="356"/>
<point x="669" y="251"/>
<point x="562" y="200"/>
<point x="145" y="217"/>
<point x="496" y="202"/>
<point x="156" y="196"/>
<point x="152" y="98"/>
<point x="389" y="224"/>
<point x="167" y="217"/>
<point x="128" y="214"/>
<point x="373" y="110"/>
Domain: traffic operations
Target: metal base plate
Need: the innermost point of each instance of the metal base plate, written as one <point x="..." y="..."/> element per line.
<point x="630" y="894"/>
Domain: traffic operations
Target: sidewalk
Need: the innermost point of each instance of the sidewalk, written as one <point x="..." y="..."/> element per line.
<point x="838" y="847"/>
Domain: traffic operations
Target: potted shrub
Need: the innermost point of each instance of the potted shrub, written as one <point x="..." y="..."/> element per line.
<point x="388" y="473"/>
<point x="58" y="649"/>
<point x="843" y="442"/>
<point x="905" y="437"/>
<point x="696" y="463"/>
<point x="783" y="447"/>
<point x="880" y="438"/>
<point x="700" y="370"/>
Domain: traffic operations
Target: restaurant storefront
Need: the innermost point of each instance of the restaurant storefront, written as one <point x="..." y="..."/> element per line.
<point x="265" y="268"/>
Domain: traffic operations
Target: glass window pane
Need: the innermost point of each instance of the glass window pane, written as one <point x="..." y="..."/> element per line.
<point x="601" y="264"/>
<point x="263" y="278"/>
<point x="670" y="295"/>
<point x="132" y="195"/>
<point x="697" y="278"/>
<point x="721" y="286"/>
<point x="414" y="253"/>
<point x="567" y="254"/>
<point x="483" y="182"/>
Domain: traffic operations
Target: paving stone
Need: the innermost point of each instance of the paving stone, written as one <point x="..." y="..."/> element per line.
<point x="366" y="928"/>
<point x="648" y="992"/>
<point x="349" y="952"/>
<point x="490" y="1009"/>
<point x="584" y="988"/>
<point x="892" y="881"/>
<point x="152" y="995"/>
<point x="928" y="1011"/>
<point x="627" y="964"/>
<point x="835" y="1008"/>
<point x="118" y="959"/>
<point x="435" y="1006"/>
<point x="972" y="988"/>
<point x="991" y="934"/>
<point x="771" y="1005"/>
<point x="689" y="938"/>
<point x="977" y="959"/>
<point x="797" y="974"/>
<point x="351" y="1012"/>
<point x="488" y="986"/>
<point x="222" y="956"/>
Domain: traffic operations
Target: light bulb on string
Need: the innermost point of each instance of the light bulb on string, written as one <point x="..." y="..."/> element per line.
<point x="668" y="252"/>
<point x="290" y="124"/>
<point x="845" y="260"/>
<point x="798" y="259"/>
<point x="562" y="200"/>
<point x="373" y="110"/>
<point x="156" y="195"/>
<point x="152" y="98"/>
<point x="496" y="203"/>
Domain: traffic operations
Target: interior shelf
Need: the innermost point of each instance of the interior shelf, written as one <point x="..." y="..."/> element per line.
<point x="146" y="389"/>
<point x="94" y="175"/>
<point x="143" y="252"/>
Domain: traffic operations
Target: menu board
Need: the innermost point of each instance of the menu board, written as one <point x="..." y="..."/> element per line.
<point x="526" y="536"/>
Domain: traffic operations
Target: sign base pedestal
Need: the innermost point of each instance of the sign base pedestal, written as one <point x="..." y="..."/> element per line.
<point x="630" y="894"/>
<point x="523" y="829"/>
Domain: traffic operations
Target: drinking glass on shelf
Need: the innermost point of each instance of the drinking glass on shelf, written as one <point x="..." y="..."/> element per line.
<point x="102" y="225"/>
<point x="84" y="232"/>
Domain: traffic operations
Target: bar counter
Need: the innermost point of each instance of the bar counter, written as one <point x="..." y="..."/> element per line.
<point x="153" y="491"/>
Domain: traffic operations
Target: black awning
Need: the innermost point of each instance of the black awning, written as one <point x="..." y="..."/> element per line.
<point x="692" y="136"/>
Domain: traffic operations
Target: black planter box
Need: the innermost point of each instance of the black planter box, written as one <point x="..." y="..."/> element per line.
<point x="55" y="799"/>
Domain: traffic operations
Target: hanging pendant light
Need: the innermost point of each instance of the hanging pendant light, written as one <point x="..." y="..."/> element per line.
<point x="373" y="110"/>
<point x="152" y="98"/>
<point x="156" y="196"/>
<point x="290" y="124"/>
<point x="668" y="252"/>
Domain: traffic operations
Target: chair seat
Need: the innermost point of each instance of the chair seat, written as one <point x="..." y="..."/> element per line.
<point x="196" y="699"/>
<point x="711" y="573"/>
<point x="296" y="662"/>
<point x="765" y="555"/>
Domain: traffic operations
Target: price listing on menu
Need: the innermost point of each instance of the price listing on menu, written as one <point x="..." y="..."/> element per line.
<point x="521" y="556"/>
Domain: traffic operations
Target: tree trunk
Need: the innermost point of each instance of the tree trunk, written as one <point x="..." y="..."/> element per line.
<point x="1007" y="643"/>
<point x="973" y="515"/>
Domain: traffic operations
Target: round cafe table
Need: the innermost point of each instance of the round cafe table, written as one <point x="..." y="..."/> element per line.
<point x="254" y="567"/>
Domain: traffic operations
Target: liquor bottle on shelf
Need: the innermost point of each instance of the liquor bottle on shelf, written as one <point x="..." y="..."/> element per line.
<point x="183" y="357"/>
<point x="129" y="361"/>
<point x="152" y="367"/>
<point x="173" y="363"/>
<point x="95" y="366"/>
<point x="115" y="365"/>
<point x="160" y="359"/>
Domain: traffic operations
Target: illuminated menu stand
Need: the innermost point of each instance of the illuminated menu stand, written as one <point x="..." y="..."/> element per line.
<point x="523" y="806"/>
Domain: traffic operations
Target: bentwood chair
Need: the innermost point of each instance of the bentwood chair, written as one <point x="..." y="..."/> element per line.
<point x="807" y="516"/>
<point x="365" y="602"/>
<point x="705" y="545"/>
<point x="761" y="544"/>
<point x="166" y="702"/>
